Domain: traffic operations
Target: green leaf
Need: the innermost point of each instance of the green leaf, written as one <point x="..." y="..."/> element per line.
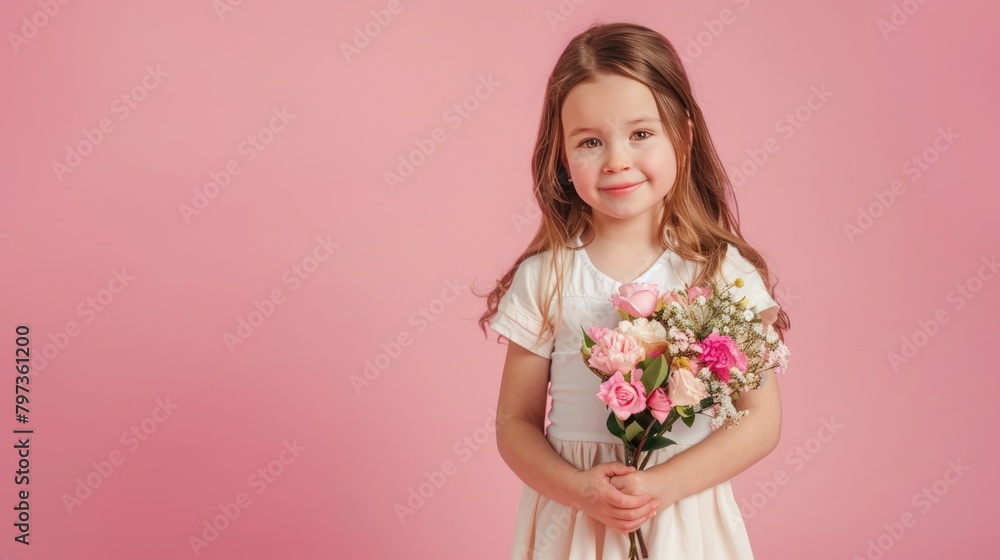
<point x="613" y="426"/>
<point x="684" y="411"/>
<point x="632" y="431"/>
<point x="662" y="369"/>
<point x="649" y="376"/>
<point x="689" y="420"/>
<point x="706" y="402"/>
<point x="587" y="342"/>
<point x="657" y="443"/>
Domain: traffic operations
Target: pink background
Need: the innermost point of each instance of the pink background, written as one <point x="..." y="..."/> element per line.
<point x="459" y="220"/>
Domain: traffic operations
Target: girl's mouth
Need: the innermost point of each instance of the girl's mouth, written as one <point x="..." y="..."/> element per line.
<point x="622" y="190"/>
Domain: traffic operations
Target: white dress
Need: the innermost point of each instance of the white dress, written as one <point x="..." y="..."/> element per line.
<point x="706" y="525"/>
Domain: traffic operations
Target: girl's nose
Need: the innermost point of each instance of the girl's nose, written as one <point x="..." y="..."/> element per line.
<point x="618" y="159"/>
<point x="617" y="162"/>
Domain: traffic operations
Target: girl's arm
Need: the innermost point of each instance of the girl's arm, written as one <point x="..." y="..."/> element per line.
<point x="521" y="424"/>
<point x="724" y="453"/>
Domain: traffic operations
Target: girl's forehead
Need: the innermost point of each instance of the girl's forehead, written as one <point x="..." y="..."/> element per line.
<point x="609" y="100"/>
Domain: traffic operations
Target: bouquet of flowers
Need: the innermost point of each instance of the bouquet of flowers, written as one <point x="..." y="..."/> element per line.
<point x="673" y="355"/>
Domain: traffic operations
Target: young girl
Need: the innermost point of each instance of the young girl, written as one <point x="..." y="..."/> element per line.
<point x="630" y="189"/>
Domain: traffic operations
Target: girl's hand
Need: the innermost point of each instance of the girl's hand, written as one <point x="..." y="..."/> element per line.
<point x="644" y="483"/>
<point x="594" y="494"/>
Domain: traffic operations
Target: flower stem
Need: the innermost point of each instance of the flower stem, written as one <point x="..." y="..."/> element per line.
<point x="670" y="422"/>
<point x="634" y="461"/>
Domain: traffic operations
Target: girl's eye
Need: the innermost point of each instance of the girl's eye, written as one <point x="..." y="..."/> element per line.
<point x="587" y="143"/>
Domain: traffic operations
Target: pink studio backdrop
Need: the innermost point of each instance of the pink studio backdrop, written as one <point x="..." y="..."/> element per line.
<point x="197" y="228"/>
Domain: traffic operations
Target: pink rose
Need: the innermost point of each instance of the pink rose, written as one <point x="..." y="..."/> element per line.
<point x="684" y="389"/>
<point x="615" y="352"/>
<point x="719" y="353"/>
<point x="638" y="299"/>
<point x="659" y="404"/>
<point x="696" y="291"/>
<point x="670" y="297"/>
<point x="625" y="399"/>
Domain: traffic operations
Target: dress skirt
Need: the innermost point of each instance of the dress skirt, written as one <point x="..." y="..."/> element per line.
<point x="704" y="526"/>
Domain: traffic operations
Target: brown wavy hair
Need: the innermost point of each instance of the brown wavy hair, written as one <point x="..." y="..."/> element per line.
<point x="697" y="220"/>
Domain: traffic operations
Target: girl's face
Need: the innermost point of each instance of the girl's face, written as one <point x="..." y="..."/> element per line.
<point x="614" y="138"/>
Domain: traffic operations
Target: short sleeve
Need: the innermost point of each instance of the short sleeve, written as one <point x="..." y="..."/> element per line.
<point x="736" y="266"/>
<point x="519" y="316"/>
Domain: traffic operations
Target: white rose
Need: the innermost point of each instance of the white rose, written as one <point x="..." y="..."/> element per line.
<point x="651" y="335"/>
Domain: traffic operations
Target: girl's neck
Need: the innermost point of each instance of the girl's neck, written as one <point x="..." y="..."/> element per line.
<point x="625" y="237"/>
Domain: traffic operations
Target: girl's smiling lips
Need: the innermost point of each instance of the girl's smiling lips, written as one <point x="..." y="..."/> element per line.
<point x="624" y="188"/>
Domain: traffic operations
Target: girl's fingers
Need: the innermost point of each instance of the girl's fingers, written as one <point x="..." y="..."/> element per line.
<point x="644" y="512"/>
<point x="625" y="500"/>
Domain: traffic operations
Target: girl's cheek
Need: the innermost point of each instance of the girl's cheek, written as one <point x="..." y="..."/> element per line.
<point x="582" y="164"/>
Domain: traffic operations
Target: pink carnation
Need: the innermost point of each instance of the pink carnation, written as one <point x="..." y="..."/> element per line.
<point x="625" y="399"/>
<point x="615" y="352"/>
<point x="597" y="332"/>
<point x="719" y="353"/>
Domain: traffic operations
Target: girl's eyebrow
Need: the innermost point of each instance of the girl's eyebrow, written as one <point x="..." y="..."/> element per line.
<point x="580" y="130"/>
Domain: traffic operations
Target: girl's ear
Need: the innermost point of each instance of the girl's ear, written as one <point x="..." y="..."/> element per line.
<point x="563" y="177"/>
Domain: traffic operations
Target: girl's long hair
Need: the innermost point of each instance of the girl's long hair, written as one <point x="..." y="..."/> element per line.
<point x="697" y="220"/>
